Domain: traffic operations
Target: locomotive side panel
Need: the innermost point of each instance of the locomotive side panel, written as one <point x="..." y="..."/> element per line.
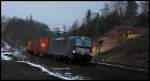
<point x="58" y="47"/>
<point x="70" y="46"/>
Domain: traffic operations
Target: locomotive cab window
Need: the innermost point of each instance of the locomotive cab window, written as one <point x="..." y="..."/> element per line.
<point x="83" y="42"/>
<point x="82" y="46"/>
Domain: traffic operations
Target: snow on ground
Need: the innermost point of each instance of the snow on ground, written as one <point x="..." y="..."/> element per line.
<point x="6" y="48"/>
<point x="6" y="54"/>
<point x="4" y="57"/>
<point x="66" y="76"/>
<point x="19" y="55"/>
<point x="2" y="49"/>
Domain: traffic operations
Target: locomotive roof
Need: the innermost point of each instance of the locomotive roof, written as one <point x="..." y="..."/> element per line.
<point x="71" y="37"/>
<point x="62" y="38"/>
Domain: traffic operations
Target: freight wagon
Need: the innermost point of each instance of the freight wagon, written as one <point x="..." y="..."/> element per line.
<point x="74" y="48"/>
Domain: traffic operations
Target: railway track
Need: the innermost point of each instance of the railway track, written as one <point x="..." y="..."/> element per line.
<point x="91" y="71"/>
<point x="122" y="72"/>
<point x="98" y="71"/>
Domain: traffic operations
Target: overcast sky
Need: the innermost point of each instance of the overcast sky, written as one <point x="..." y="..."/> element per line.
<point x="52" y="13"/>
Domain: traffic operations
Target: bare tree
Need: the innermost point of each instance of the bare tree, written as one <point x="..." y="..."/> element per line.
<point x="145" y="7"/>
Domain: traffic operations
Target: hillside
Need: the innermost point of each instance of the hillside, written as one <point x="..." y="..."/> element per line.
<point x="17" y="31"/>
<point x="133" y="52"/>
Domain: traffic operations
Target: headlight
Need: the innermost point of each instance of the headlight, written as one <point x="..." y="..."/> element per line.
<point x="91" y="54"/>
<point x="73" y="51"/>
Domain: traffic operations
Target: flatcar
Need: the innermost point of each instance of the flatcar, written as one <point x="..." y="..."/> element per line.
<point x="73" y="48"/>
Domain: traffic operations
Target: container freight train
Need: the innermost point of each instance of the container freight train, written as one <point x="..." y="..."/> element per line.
<point x="72" y="49"/>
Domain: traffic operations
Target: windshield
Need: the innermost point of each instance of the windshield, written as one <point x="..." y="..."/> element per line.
<point x="82" y="50"/>
<point x="83" y="42"/>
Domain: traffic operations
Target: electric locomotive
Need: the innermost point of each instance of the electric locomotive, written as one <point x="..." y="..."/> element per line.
<point x="73" y="48"/>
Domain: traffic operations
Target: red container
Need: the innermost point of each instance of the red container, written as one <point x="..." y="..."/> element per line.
<point x="43" y="45"/>
<point x="40" y="45"/>
<point x="35" y="45"/>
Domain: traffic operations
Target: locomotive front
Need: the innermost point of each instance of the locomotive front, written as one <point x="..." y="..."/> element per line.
<point x="82" y="49"/>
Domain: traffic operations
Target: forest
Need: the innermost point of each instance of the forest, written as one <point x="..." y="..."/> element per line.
<point x="17" y="31"/>
<point x="114" y="13"/>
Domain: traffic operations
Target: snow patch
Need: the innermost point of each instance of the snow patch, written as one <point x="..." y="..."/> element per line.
<point x="2" y="49"/>
<point x="6" y="46"/>
<point x="4" y="57"/>
<point x="59" y="75"/>
<point x="68" y="73"/>
<point x="6" y="53"/>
